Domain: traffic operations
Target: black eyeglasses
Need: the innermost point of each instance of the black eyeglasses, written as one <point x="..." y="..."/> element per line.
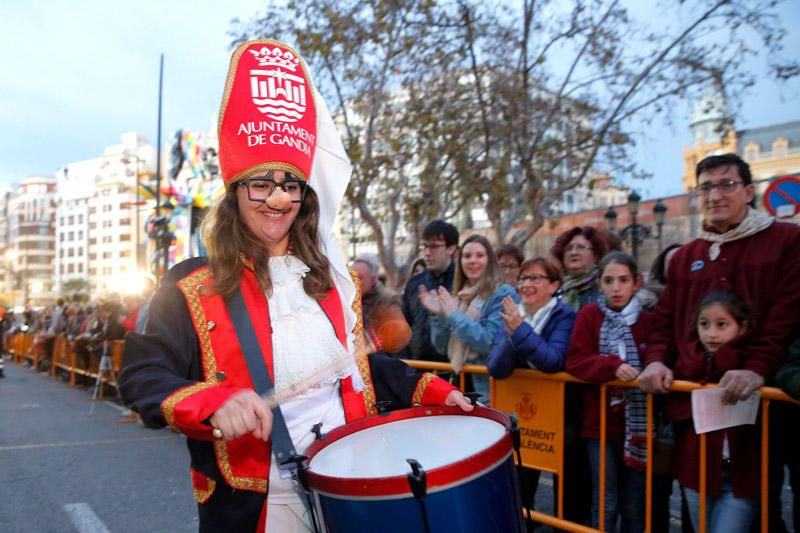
<point x="727" y="186"/>
<point x="432" y="246"/>
<point x="259" y="188"/>
<point x="536" y="279"/>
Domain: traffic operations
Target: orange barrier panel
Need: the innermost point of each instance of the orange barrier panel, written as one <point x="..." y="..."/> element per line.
<point x="523" y="379"/>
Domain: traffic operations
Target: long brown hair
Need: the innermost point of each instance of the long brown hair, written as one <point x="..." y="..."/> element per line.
<point x="226" y="237"/>
<point x="491" y="279"/>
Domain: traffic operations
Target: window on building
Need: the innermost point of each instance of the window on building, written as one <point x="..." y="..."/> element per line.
<point x="71" y="220"/>
<point x="92" y="210"/>
<point x="125" y="237"/>
<point x="80" y="219"/>
<point x="92" y="257"/>
<point x="71" y="236"/>
<point x="70" y="252"/>
<point x="106" y="255"/>
<point x="80" y="268"/>
<point x="92" y="271"/>
<point x="70" y="268"/>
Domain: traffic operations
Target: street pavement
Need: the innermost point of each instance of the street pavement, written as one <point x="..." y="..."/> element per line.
<point x="64" y="469"/>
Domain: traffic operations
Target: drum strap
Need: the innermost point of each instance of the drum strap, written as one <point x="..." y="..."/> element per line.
<point x="282" y="445"/>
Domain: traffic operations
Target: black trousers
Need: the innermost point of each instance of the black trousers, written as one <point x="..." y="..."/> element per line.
<point x="230" y="510"/>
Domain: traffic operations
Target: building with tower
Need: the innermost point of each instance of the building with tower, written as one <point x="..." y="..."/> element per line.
<point x="771" y="151"/>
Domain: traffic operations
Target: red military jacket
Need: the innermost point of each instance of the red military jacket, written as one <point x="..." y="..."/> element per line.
<point x="188" y="363"/>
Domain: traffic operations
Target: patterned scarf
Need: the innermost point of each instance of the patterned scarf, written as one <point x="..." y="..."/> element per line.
<point x="616" y="339"/>
<point x="753" y="222"/>
<point x="573" y="286"/>
<point x="470" y="304"/>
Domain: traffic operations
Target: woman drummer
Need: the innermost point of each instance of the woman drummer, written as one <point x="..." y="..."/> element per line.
<point x="271" y="246"/>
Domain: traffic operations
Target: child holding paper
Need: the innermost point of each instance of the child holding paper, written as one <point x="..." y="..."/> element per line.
<point x="722" y="316"/>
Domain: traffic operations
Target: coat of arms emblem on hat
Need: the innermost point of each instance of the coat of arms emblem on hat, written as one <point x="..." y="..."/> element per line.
<point x="275" y="88"/>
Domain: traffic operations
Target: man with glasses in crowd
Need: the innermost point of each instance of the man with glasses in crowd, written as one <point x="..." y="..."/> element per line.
<point x="747" y="252"/>
<point x="439" y="247"/>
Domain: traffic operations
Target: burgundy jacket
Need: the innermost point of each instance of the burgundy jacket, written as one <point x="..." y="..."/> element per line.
<point x="584" y="361"/>
<point x="764" y="269"/>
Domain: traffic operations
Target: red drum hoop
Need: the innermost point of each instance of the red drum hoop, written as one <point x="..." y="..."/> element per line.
<point x="438" y="478"/>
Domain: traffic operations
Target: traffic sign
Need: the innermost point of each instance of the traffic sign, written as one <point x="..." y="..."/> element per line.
<point x="782" y="197"/>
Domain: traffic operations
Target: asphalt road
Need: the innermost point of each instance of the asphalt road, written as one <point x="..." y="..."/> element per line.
<point x="63" y="469"/>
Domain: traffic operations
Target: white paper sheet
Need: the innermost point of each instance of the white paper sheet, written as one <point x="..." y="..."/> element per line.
<point x="710" y="414"/>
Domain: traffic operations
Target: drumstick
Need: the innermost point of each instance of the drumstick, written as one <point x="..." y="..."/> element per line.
<point x="368" y="343"/>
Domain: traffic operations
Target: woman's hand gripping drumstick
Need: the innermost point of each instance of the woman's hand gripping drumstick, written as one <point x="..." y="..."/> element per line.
<point x="248" y="412"/>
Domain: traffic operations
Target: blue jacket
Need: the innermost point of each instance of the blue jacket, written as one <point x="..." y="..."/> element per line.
<point x="525" y="349"/>
<point x="477" y="335"/>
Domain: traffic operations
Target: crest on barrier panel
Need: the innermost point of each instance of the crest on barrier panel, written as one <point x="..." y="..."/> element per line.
<point x="539" y="406"/>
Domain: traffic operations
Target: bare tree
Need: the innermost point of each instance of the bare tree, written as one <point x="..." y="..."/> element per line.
<point x="451" y="105"/>
<point x="576" y="81"/>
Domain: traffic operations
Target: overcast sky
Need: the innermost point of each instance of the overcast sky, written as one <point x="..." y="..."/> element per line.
<point x="77" y="74"/>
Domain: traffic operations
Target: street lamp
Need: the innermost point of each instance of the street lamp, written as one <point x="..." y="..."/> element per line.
<point x="660" y="213"/>
<point x="611" y="219"/>
<point x="633" y="207"/>
<point x="637" y="232"/>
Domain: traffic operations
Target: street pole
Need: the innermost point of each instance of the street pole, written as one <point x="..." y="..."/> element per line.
<point x="159" y="271"/>
<point x="634" y="238"/>
<point x="136" y="216"/>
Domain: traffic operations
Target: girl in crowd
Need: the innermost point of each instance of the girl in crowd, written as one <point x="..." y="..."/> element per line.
<point x="722" y="316"/>
<point x="464" y="324"/>
<point x="606" y="344"/>
<point x="579" y="250"/>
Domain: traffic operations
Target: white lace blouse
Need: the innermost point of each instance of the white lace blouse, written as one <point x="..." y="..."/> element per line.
<point x="308" y="363"/>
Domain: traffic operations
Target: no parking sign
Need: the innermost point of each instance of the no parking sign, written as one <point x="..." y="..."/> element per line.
<point x="782" y="198"/>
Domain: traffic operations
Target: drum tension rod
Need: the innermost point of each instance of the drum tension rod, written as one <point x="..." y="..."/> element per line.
<point x="516" y="438"/>
<point x="316" y="429"/>
<point x="473" y="397"/>
<point x="417" y="480"/>
<point x="383" y="407"/>
<point x="299" y="473"/>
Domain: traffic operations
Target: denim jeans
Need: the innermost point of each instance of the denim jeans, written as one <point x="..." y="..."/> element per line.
<point x="625" y="493"/>
<point x="724" y="513"/>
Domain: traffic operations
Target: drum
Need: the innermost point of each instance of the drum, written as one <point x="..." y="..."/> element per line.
<point x="419" y="469"/>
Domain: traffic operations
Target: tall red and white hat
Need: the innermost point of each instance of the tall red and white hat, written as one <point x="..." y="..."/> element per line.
<point x="272" y="118"/>
<point x="268" y="117"/>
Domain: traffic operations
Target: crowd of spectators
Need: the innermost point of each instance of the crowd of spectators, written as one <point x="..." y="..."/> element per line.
<point x="724" y="308"/>
<point x="587" y="309"/>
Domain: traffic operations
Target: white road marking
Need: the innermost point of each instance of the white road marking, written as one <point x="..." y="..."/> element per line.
<point x="84" y="519"/>
<point x="79" y="443"/>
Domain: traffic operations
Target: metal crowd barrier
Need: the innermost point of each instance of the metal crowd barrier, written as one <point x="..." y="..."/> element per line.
<point x="768" y="395"/>
<point x="23" y="346"/>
